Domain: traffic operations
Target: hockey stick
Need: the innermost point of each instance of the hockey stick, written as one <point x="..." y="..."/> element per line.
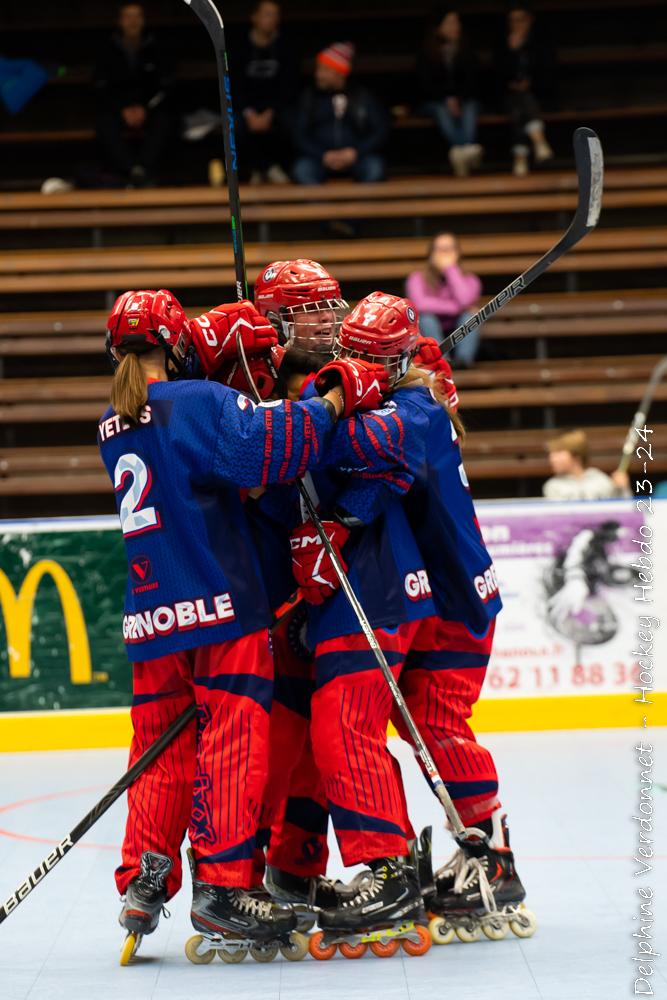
<point x="639" y="419"/>
<point x="68" y="842"/>
<point x="210" y="17"/>
<point x="590" y="173"/>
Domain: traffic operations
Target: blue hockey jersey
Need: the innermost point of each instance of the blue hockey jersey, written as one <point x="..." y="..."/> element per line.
<point x="441" y="513"/>
<point x="385" y="566"/>
<point x="194" y="576"/>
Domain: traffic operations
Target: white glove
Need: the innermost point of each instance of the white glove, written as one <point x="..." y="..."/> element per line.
<point x="569" y="600"/>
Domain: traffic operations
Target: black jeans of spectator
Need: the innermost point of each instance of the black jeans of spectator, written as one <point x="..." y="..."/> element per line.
<point x="125" y="148"/>
<point x="260" y="150"/>
<point x="523" y="109"/>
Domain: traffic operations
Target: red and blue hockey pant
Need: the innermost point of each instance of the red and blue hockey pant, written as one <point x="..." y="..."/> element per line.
<point x="209" y="781"/>
<point x="294" y="816"/>
<point x="351" y="709"/>
<point x="441" y="681"/>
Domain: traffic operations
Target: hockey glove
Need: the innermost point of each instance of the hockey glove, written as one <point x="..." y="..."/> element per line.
<point x="311" y="564"/>
<point x="362" y="382"/>
<point x="214" y="334"/>
<point x="263" y="369"/>
<point x="429" y="356"/>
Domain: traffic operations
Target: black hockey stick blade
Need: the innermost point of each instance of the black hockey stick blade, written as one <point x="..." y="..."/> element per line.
<point x="68" y="842"/>
<point x="590" y="173"/>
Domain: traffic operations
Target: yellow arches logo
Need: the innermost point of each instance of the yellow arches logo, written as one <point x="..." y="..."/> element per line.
<point x="17" y="610"/>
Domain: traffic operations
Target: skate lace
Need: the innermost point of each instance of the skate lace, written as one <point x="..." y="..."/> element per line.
<point x="250" y="904"/>
<point x="452" y="867"/>
<point x="371" y="886"/>
<point x="471" y="871"/>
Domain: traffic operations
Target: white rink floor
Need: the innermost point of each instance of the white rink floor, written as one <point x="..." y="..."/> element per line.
<point x="569" y="796"/>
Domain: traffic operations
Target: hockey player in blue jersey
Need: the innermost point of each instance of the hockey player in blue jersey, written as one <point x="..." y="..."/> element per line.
<point x="196" y="614"/>
<point x="446" y="664"/>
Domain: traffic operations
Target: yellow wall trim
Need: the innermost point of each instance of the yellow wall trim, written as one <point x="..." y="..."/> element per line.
<point x="97" y="728"/>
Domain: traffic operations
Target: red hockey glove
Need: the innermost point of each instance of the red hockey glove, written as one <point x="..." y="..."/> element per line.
<point x="311" y="565"/>
<point x="362" y="382"/>
<point x="263" y="369"/>
<point x="429" y="356"/>
<point x="447" y="384"/>
<point x="214" y="334"/>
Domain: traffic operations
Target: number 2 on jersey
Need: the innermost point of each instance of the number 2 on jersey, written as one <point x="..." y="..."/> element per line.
<point x="133" y="517"/>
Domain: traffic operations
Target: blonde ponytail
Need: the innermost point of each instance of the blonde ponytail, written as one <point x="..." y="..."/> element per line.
<point x="432" y="381"/>
<point x="129" y="392"/>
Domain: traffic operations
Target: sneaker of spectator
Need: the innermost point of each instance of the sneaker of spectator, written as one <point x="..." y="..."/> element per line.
<point x="448" y="78"/>
<point x="338" y="128"/>
<point x="132" y="83"/>
<point x="526" y="71"/>
<point x="444" y="294"/>
<point x="263" y="70"/>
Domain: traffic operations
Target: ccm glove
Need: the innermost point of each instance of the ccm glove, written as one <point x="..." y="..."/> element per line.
<point x="362" y="382"/>
<point x="311" y="565"/>
<point x="214" y="334"/>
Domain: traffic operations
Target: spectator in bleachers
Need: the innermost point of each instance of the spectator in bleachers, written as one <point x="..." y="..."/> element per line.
<point x="264" y="72"/>
<point x="338" y="128"/>
<point x="574" y="479"/>
<point x="132" y="80"/>
<point x="444" y="295"/>
<point x="448" y="81"/>
<point x="526" y="68"/>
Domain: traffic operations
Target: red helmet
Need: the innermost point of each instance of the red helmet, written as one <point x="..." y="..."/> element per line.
<point x="142" y="321"/>
<point x="382" y="328"/>
<point x="303" y="301"/>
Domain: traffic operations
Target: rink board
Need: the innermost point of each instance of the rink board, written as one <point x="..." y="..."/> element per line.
<point x="65" y="679"/>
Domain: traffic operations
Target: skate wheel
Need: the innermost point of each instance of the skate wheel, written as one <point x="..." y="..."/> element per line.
<point x="441" y="932"/>
<point x="353" y="950"/>
<point x="297" y="947"/>
<point x="421" y="947"/>
<point x="128" y="951"/>
<point x="322" y="952"/>
<point x="495" y="930"/>
<point x="469" y="933"/>
<point x="263" y="952"/>
<point x="192" y="953"/>
<point x="232" y="957"/>
<point x="384" y="949"/>
<point x="523" y="923"/>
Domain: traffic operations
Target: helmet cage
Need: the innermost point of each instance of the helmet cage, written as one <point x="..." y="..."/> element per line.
<point x="311" y="327"/>
<point x="396" y="365"/>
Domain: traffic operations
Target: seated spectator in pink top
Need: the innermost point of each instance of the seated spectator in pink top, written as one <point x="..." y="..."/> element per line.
<point x="444" y="295"/>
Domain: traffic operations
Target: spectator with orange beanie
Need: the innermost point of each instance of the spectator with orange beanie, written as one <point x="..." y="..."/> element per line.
<point x="338" y="128"/>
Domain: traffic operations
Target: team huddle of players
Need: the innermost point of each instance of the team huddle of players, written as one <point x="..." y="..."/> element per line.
<point x="233" y="604"/>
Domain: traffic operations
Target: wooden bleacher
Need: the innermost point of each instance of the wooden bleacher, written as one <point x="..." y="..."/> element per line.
<point x="531" y="319"/>
<point x="568" y="358"/>
<point x="419" y="198"/>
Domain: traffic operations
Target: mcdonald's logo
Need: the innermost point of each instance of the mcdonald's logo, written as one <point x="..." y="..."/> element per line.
<point x="17" y="611"/>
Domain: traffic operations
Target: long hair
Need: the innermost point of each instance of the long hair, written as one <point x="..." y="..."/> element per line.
<point x="434" y="383"/>
<point x="129" y="392"/>
<point x="431" y="45"/>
